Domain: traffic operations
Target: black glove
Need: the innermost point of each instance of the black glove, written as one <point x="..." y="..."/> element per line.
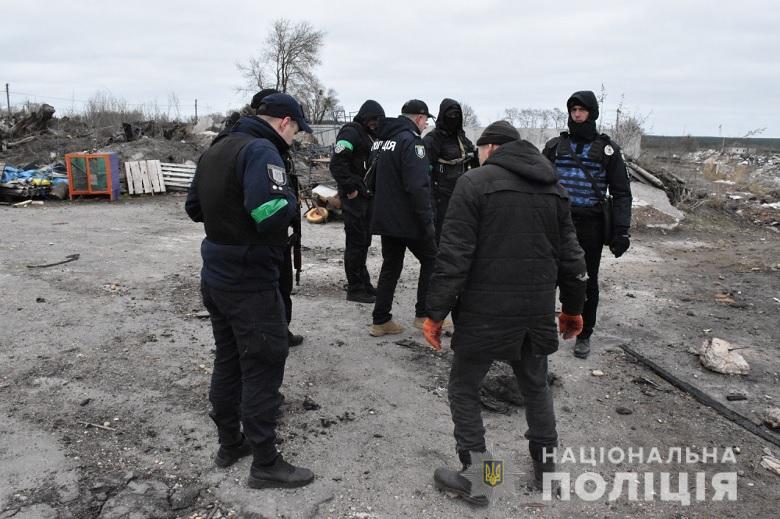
<point x="620" y="243"/>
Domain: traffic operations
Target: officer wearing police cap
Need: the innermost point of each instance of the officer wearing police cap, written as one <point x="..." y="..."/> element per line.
<point x="241" y="193"/>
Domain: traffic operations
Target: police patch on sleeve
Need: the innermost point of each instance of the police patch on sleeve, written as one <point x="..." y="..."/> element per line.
<point x="277" y="175"/>
<point x="609" y="150"/>
<point x="419" y="149"/>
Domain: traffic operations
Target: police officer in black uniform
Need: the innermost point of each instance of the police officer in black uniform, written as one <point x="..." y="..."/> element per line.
<point x="241" y="193"/>
<point x="582" y="154"/>
<point x="451" y="154"/>
<point x="286" y="267"/>
<point x="402" y="213"/>
<point x="348" y="165"/>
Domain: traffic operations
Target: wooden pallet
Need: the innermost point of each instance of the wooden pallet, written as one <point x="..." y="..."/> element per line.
<point x="177" y="177"/>
<point x="144" y="176"/>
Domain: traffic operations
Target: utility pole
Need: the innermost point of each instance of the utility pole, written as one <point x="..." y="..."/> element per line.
<point x="196" y="111"/>
<point x="8" y="99"/>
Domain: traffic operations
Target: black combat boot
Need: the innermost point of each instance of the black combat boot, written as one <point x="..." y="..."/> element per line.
<point x="295" y="340"/>
<point x="454" y="481"/>
<point x="582" y="348"/>
<point x="360" y="296"/>
<point x="279" y="474"/>
<point x="539" y="469"/>
<point x="227" y="455"/>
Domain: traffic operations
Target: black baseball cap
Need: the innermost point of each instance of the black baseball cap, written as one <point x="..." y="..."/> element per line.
<point x="258" y="97"/>
<point x="284" y="105"/>
<point x="416" y="107"/>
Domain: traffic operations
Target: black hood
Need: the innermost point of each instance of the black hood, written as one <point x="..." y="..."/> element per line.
<point x="587" y="99"/>
<point x="443" y="123"/>
<point x="584" y="131"/>
<point x="259" y="128"/>
<point x="369" y="110"/>
<point x="524" y="160"/>
<point x="391" y="126"/>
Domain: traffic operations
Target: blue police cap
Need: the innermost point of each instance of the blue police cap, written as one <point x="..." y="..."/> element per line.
<point x="284" y="105"/>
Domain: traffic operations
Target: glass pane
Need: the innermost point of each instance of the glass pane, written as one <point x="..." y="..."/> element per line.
<point x="97" y="174"/>
<point x="78" y="170"/>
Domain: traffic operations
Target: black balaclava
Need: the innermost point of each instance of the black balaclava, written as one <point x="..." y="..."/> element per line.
<point x="369" y="111"/>
<point x="450" y="117"/>
<point x="453" y="121"/>
<point x="584" y="131"/>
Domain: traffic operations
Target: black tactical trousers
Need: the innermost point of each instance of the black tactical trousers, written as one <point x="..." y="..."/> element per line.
<point x="440" y="203"/>
<point x="357" y="215"/>
<point x="250" y="334"/>
<point x="393" y="251"/>
<point x="466" y="378"/>
<point x="286" y="281"/>
<point x="590" y="233"/>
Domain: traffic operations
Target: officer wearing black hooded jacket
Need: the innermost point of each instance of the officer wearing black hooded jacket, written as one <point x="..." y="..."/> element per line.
<point x="583" y="148"/>
<point x="348" y="166"/>
<point x="402" y="213"/>
<point x="451" y="154"/>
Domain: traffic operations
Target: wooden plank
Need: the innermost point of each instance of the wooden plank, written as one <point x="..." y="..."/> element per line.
<point x="178" y="170"/>
<point x="147" y="185"/>
<point x="179" y="175"/>
<point x="155" y="167"/>
<point x="129" y="178"/>
<point x="169" y="165"/>
<point x="178" y="184"/>
<point x="186" y="173"/>
<point x="176" y="165"/>
<point x="154" y="178"/>
<point x="138" y="188"/>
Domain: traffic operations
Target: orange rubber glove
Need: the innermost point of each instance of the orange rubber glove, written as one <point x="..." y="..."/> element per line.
<point x="432" y="333"/>
<point x="569" y="325"/>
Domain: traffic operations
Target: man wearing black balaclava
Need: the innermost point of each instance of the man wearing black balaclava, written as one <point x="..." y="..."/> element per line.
<point x="591" y="168"/>
<point x="451" y="154"/>
<point x="348" y="165"/>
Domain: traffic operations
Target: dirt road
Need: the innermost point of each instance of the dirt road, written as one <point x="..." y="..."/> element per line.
<point x="113" y="340"/>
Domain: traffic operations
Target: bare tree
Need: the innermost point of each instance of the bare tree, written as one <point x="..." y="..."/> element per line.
<point x="254" y="74"/>
<point x="318" y="102"/>
<point x="292" y="51"/>
<point x="470" y="119"/>
<point x="174" y="105"/>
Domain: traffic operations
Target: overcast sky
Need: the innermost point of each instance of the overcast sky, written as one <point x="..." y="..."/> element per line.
<point x="691" y="66"/>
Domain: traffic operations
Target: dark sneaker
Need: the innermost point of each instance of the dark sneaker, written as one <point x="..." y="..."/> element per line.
<point x="226" y="456"/>
<point x="295" y="340"/>
<point x="360" y="296"/>
<point x="451" y="481"/>
<point x="279" y="475"/>
<point x="582" y="348"/>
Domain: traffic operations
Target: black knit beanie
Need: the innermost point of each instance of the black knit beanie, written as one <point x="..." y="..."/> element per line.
<point x="499" y="132"/>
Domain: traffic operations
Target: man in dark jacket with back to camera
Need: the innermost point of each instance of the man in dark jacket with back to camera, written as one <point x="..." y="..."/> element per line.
<point x="241" y="193"/>
<point x="451" y="154"/>
<point x="507" y="242"/>
<point x="348" y="166"/>
<point x="402" y="213"/>
<point x="590" y="166"/>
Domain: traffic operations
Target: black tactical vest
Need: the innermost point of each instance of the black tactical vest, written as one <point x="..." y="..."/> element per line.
<point x="221" y="197"/>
